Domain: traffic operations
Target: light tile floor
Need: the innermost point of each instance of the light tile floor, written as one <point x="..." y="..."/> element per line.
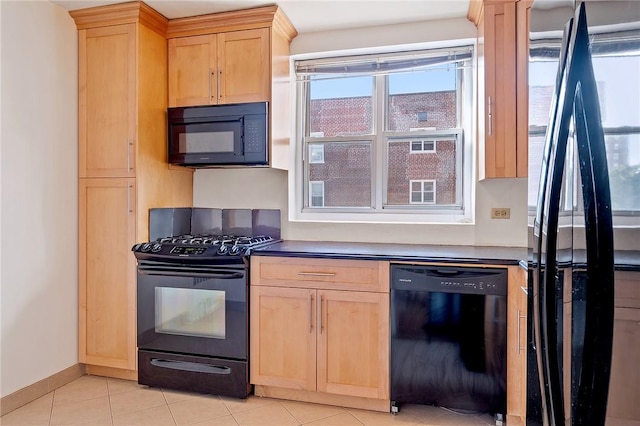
<point x="91" y="400"/>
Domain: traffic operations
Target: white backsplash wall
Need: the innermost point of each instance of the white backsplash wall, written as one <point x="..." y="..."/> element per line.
<point x="263" y="188"/>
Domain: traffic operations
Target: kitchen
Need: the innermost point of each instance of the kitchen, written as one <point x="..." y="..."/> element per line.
<point x="39" y="312"/>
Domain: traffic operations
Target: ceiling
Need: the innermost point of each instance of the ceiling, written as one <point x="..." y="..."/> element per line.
<point x="309" y="15"/>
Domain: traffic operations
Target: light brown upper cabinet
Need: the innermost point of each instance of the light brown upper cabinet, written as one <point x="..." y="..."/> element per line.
<point x="503" y="51"/>
<point x="234" y="57"/>
<point x="219" y="68"/>
<point x="107" y="102"/>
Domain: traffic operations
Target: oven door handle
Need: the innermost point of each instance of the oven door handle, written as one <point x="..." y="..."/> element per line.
<point x="190" y="366"/>
<point x="203" y="273"/>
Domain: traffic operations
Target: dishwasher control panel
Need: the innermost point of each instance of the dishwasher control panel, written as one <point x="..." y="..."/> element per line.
<point x="449" y="279"/>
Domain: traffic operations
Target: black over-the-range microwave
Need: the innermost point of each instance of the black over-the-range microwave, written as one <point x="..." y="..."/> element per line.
<point x="219" y="135"/>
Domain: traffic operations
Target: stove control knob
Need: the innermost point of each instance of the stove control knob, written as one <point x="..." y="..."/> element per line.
<point x="223" y="249"/>
<point x="145" y="247"/>
<point x="156" y="247"/>
<point x="234" y="250"/>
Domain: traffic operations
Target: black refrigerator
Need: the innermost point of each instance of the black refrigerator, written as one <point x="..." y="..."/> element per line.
<point x="579" y="190"/>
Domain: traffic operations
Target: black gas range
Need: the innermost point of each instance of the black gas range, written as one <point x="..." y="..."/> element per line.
<point x="193" y="294"/>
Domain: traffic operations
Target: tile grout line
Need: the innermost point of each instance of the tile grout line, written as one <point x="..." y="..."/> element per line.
<point x="290" y="413"/>
<point x="53" y="399"/>
<point x="228" y="409"/>
<point x="168" y="406"/>
<point x="109" y="399"/>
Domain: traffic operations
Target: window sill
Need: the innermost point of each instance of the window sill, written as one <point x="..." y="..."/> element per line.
<point x="381" y="218"/>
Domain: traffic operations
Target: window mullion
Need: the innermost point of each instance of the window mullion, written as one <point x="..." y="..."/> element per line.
<point x="379" y="163"/>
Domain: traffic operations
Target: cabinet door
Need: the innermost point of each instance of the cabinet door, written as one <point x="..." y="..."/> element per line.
<point x="192" y="71"/>
<point x="107" y="314"/>
<point x="244" y="66"/>
<point x="106" y="110"/>
<point x="283" y="337"/>
<point x="500" y="90"/>
<point x="624" y="386"/>
<point x="516" y="346"/>
<point x="523" y="17"/>
<point x="353" y="343"/>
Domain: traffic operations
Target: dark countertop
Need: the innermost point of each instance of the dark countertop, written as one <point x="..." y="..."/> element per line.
<point x="396" y="252"/>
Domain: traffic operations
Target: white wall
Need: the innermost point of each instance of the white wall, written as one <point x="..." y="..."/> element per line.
<point x="39" y="221"/>
<point x="266" y="188"/>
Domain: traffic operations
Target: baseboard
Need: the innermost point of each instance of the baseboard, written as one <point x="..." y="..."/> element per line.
<point x="40" y="388"/>
<point x="116" y="373"/>
<point x="383" y="405"/>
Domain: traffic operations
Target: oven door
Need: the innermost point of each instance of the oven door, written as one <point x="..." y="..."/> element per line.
<point x="193" y="310"/>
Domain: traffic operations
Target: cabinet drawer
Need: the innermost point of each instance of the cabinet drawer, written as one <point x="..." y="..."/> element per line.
<point x="330" y="274"/>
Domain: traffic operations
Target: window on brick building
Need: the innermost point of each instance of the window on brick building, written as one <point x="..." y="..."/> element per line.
<point x="316" y="194"/>
<point x="316" y="153"/>
<point x="418" y="147"/>
<point x="422" y="191"/>
<point x="359" y="120"/>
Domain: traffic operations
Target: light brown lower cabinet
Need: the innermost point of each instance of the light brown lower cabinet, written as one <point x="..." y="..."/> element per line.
<point x="312" y="342"/>
<point x="624" y="385"/>
<point x="107" y="293"/>
<point x="517" y="346"/>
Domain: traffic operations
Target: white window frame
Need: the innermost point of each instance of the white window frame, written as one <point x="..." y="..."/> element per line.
<point x="412" y="213"/>
<point x="422" y="191"/>
<point x="312" y="183"/>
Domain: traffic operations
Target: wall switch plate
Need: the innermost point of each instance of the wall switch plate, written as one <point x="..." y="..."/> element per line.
<point x="500" y="213"/>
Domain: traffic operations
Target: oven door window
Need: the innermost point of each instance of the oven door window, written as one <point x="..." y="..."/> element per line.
<point x="190" y="312"/>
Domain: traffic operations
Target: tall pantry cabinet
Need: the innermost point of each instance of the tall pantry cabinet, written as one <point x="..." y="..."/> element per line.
<point x="123" y="171"/>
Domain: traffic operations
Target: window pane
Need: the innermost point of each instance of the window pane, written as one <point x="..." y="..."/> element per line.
<point x="422" y="99"/>
<point x="317" y="194"/>
<point x="618" y="89"/>
<point x="316" y="153"/>
<point x="346" y="173"/>
<point x="341" y="106"/>
<point x="439" y="166"/>
<point x="623" y="159"/>
<point x="536" y="150"/>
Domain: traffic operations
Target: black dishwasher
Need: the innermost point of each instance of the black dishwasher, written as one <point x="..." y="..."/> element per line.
<point x="449" y="337"/>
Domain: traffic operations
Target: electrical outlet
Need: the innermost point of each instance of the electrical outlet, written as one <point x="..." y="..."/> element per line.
<point x="500" y="213"/>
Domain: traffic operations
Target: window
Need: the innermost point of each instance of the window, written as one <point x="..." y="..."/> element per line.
<point x="316" y="153"/>
<point x="359" y="120"/>
<point x="616" y="60"/>
<point x="316" y="194"/>
<point x="423" y="146"/>
<point x="422" y="191"/>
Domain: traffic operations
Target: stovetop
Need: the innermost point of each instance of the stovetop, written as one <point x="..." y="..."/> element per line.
<point x="201" y="248"/>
